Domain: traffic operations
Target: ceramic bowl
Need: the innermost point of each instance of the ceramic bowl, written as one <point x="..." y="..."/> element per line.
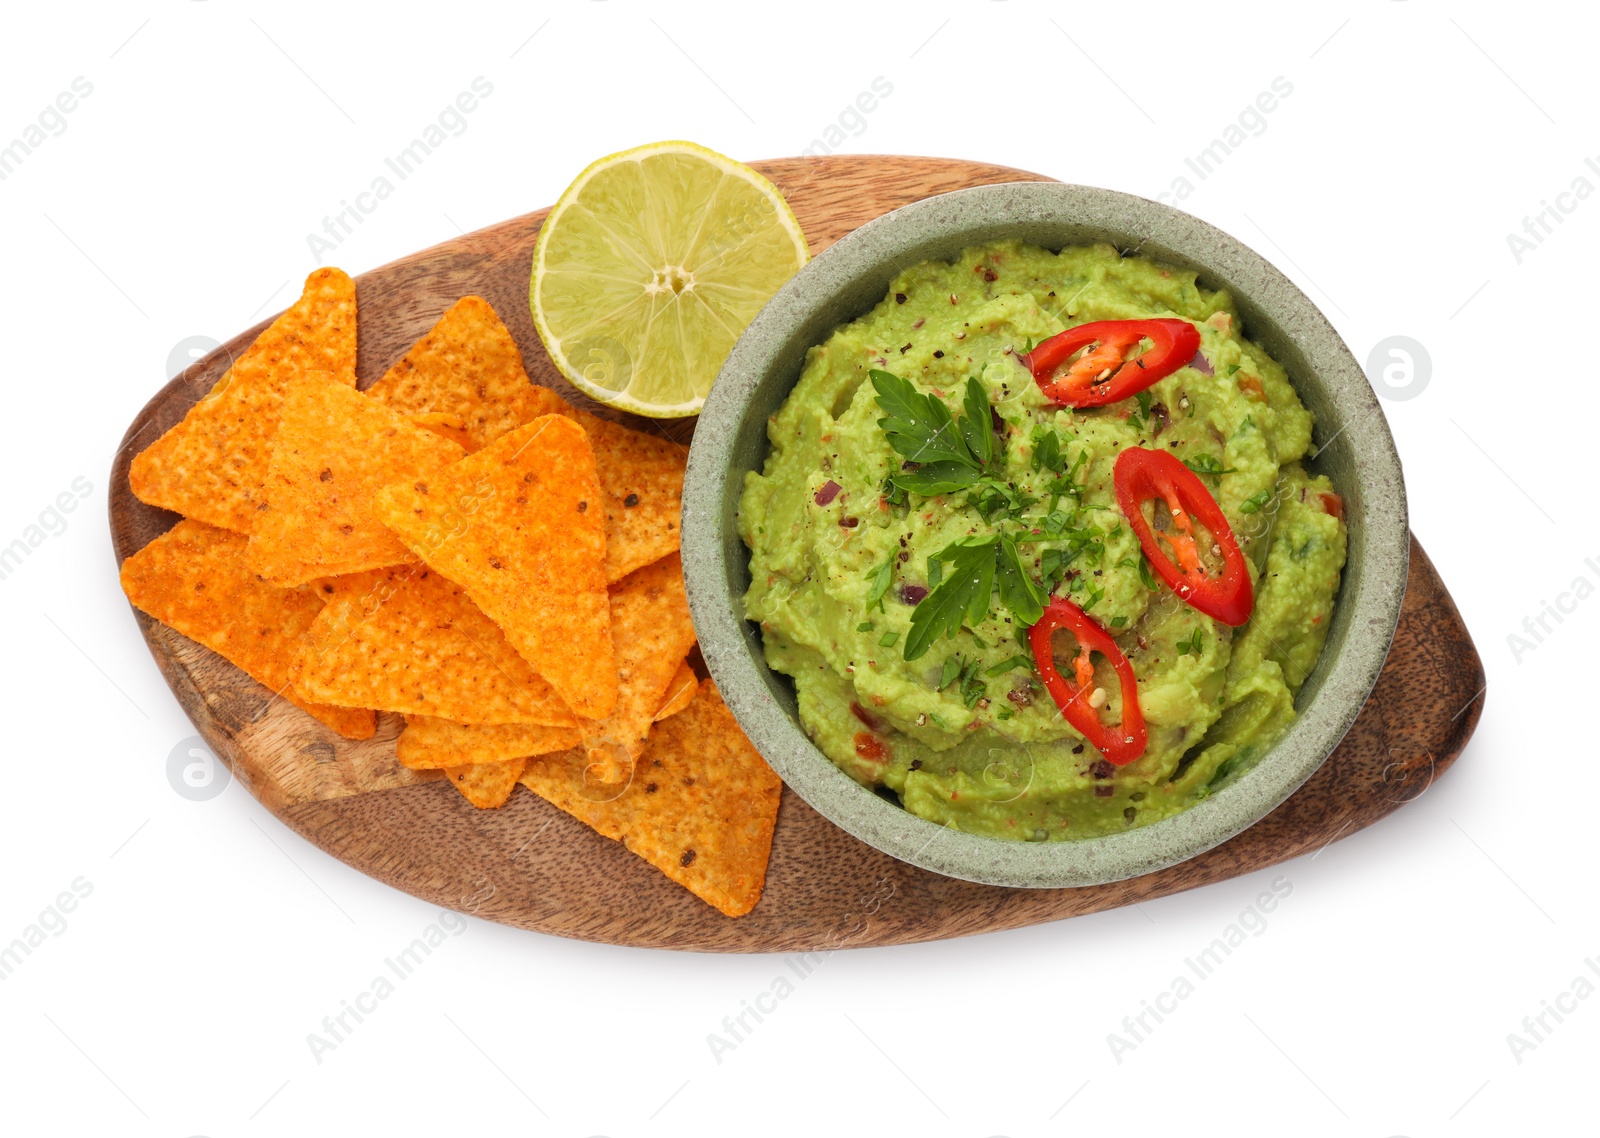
<point x="847" y="280"/>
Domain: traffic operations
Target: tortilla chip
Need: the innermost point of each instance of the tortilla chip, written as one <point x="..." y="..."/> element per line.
<point x="701" y="806"/>
<point x="518" y="526"/>
<point x="680" y="692"/>
<point x="430" y="744"/>
<point x="334" y="451"/>
<point x="413" y="642"/>
<point x="194" y="578"/>
<point x="634" y="467"/>
<point x="467" y="367"/>
<point x="211" y="466"/>
<point x="446" y="426"/>
<point x="486" y="785"/>
<point x="651" y="632"/>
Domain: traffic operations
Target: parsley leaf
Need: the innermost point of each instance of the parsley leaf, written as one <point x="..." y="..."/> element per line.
<point x="1018" y="591"/>
<point x="1004" y="666"/>
<point x="977" y="430"/>
<point x="961" y="598"/>
<point x="919" y="426"/>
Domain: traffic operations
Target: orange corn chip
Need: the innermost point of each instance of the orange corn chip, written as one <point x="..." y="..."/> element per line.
<point x="643" y="479"/>
<point x="651" y="632"/>
<point x="486" y="785"/>
<point x="194" y="578"/>
<point x="701" y="806"/>
<point x="518" y="526"/>
<point x="680" y="692"/>
<point x="334" y="451"/>
<point x="467" y="367"/>
<point x="413" y="642"/>
<point x="429" y="744"/>
<point x="211" y="465"/>
<point x="452" y="427"/>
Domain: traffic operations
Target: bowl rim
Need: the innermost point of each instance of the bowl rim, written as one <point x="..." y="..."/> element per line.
<point x="1365" y="618"/>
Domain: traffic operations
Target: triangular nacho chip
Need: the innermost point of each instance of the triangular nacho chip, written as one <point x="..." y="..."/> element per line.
<point x="446" y="426"/>
<point x="486" y="785"/>
<point x="211" y="465"/>
<point x="467" y="367"/>
<point x="430" y="744"/>
<point x="413" y="642"/>
<point x="194" y="578"/>
<point x="643" y="479"/>
<point x="701" y="806"/>
<point x="651" y="632"/>
<point x="519" y="526"/>
<point x="680" y="692"/>
<point x="335" y="449"/>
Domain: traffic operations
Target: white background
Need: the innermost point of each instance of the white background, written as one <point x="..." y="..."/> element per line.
<point x="1379" y="998"/>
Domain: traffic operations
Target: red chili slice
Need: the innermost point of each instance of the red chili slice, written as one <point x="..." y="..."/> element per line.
<point x="1120" y="743"/>
<point x="1141" y="475"/>
<point x="1100" y="375"/>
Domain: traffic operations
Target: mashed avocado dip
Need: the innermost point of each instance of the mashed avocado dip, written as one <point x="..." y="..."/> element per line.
<point x="964" y="734"/>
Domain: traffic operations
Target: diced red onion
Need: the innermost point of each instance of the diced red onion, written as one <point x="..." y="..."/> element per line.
<point x="830" y="491"/>
<point x="912" y="594"/>
<point x="1201" y="364"/>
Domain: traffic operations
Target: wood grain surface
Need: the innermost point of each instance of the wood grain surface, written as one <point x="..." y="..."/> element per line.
<point x="529" y="865"/>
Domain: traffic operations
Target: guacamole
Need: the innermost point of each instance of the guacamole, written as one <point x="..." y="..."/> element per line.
<point x="964" y="734"/>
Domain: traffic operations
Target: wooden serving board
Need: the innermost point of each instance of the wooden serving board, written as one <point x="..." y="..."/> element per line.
<point x="529" y="865"/>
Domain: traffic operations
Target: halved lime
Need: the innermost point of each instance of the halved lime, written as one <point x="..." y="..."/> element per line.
<point x="649" y="268"/>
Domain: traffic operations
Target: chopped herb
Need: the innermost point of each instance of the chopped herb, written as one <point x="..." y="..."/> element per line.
<point x="865" y="626"/>
<point x="1145" y="575"/>
<point x="1255" y="502"/>
<point x="1004" y="666"/>
<point x="887" y="639"/>
<point x="878" y="582"/>
<point x="1004" y="713"/>
<point x="1207" y="464"/>
<point x="1193" y="645"/>
<point x="1047" y="450"/>
<point x="1233" y="368"/>
<point x="951" y="669"/>
<point x="1118" y="621"/>
<point x="1144" y="404"/>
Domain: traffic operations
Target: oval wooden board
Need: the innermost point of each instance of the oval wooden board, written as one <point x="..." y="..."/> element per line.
<point x="529" y="865"/>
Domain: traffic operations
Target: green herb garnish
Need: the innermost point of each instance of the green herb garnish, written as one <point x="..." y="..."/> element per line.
<point x="878" y="584"/>
<point x="1255" y="502"/>
<point x="962" y="598"/>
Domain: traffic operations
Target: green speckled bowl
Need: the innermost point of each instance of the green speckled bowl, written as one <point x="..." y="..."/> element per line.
<point x="849" y="278"/>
